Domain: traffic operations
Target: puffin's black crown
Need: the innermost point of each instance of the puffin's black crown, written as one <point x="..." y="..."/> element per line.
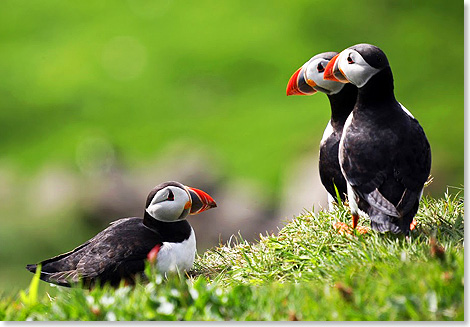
<point x="325" y="55"/>
<point x="372" y="54"/>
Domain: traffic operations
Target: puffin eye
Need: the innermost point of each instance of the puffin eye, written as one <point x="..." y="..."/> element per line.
<point x="171" y="196"/>
<point x="350" y="61"/>
<point x="320" y="68"/>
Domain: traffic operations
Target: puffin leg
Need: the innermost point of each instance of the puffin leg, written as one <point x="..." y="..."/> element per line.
<point x="344" y="228"/>
<point x="355" y="220"/>
<point x="413" y="224"/>
<point x="358" y="229"/>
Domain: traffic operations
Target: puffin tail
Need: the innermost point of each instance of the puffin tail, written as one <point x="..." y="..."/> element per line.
<point x="58" y="278"/>
<point x="383" y="223"/>
<point x="32" y="267"/>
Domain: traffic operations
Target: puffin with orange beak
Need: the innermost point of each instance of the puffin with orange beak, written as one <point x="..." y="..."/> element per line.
<point x="384" y="153"/>
<point x="307" y="80"/>
<point x="119" y="252"/>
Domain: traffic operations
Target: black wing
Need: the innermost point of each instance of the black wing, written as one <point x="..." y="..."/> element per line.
<point x="66" y="262"/>
<point x="413" y="163"/>
<point x="117" y="252"/>
<point x="387" y="165"/>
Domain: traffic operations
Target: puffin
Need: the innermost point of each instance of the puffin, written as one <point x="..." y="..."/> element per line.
<point x="307" y="80"/>
<point x="120" y="251"/>
<point x="384" y="154"/>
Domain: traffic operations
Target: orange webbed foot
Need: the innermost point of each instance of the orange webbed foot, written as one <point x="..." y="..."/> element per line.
<point x="343" y="229"/>
<point x="413" y="224"/>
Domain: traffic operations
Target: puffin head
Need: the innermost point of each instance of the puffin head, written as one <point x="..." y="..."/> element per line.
<point x="308" y="79"/>
<point x="356" y="64"/>
<point x="173" y="201"/>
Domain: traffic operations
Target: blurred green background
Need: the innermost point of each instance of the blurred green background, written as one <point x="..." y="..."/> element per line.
<point x="90" y="85"/>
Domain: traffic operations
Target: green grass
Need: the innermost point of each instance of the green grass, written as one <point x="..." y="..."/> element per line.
<point x="209" y="78"/>
<point x="306" y="272"/>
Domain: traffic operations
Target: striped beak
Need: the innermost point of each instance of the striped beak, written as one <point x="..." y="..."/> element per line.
<point x="201" y="201"/>
<point x="333" y="72"/>
<point x="298" y="85"/>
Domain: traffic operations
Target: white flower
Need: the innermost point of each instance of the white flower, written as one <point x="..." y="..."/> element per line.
<point x="165" y="307"/>
<point x="90" y="300"/>
<point x="432" y="299"/>
<point x="107" y="300"/>
<point x="111" y="316"/>
<point x="122" y="291"/>
<point x="158" y="279"/>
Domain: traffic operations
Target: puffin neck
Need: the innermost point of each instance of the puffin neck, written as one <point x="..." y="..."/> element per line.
<point x="168" y="229"/>
<point x="379" y="89"/>
<point x="342" y="103"/>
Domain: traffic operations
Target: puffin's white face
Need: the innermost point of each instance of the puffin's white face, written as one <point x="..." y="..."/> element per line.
<point x="353" y="66"/>
<point x="313" y="71"/>
<point x="169" y="204"/>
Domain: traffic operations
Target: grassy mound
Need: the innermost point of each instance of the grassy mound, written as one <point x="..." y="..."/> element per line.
<point x="307" y="272"/>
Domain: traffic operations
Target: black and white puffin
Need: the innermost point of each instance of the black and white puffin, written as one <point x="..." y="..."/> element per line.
<point x="120" y="251"/>
<point x="307" y="80"/>
<point x="384" y="153"/>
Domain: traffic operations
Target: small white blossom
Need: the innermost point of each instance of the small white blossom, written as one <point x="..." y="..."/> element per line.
<point x="165" y="307"/>
<point x="111" y="316"/>
<point x="90" y="300"/>
<point x="107" y="300"/>
<point x="432" y="299"/>
<point x="122" y="291"/>
<point x="158" y="279"/>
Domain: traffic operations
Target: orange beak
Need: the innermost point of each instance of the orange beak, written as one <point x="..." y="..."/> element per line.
<point x="333" y="72"/>
<point x="201" y="201"/>
<point x="297" y="84"/>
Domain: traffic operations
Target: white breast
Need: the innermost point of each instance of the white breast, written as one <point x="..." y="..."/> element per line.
<point x="341" y="142"/>
<point x="326" y="134"/>
<point x="177" y="256"/>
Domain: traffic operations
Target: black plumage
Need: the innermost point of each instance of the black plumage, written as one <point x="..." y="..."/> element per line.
<point x="384" y="153"/>
<point x="308" y="80"/>
<point x="341" y="104"/>
<point x="118" y="252"/>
